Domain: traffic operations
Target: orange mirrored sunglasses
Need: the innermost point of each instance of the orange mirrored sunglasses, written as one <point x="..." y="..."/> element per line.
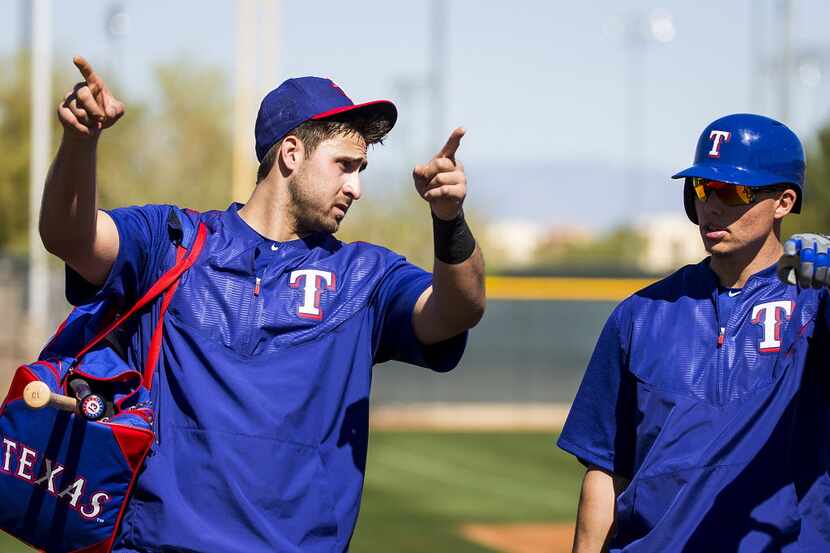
<point x="730" y="194"/>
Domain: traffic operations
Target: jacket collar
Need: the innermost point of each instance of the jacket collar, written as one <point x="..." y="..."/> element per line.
<point x="237" y="228"/>
<point x="709" y="277"/>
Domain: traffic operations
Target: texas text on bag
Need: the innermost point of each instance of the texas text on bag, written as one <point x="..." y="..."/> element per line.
<point x="65" y="480"/>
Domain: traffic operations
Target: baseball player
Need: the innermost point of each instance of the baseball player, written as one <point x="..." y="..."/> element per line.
<point x="704" y="413"/>
<point x="262" y="390"/>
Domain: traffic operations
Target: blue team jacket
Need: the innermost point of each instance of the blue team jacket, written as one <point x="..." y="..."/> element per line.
<point x="261" y="395"/>
<point x="721" y="425"/>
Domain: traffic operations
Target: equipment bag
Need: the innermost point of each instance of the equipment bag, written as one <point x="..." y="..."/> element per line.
<point x="64" y="479"/>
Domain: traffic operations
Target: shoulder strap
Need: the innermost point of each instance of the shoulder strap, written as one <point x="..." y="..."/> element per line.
<point x="154" y="350"/>
<point x="181" y="226"/>
<point x="181" y="229"/>
<point x="167" y="280"/>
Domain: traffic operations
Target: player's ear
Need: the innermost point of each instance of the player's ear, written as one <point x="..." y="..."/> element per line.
<point x="785" y="203"/>
<point x="292" y="153"/>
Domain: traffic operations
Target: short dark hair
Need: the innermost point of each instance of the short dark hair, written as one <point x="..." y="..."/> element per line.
<point x="313" y="132"/>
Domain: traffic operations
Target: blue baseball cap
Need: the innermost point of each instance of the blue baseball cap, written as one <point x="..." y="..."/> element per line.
<point x="302" y="99"/>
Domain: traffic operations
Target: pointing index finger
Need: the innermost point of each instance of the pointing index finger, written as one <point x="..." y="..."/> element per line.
<point x="89" y="74"/>
<point x="453" y="142"/>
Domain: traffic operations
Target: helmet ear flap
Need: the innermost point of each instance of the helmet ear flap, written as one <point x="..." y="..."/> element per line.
<point x="689" y="201"/>
<point x="799" y="195"/>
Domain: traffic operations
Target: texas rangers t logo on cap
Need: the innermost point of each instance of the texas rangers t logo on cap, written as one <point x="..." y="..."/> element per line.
<point x="718" y="136"/>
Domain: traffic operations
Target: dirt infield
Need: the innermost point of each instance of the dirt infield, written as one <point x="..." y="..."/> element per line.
<point x="470" y="417"/>
<point x="521" y="538"/>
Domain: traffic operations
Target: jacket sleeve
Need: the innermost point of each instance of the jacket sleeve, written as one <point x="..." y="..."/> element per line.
<point x="144" y="242"/>
<point x="600" y="426"/>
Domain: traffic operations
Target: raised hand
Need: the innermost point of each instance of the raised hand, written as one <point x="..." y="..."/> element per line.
<point x="442" y="181"/>
<point x="89" y="107"/>
<point x="805" y="261"/>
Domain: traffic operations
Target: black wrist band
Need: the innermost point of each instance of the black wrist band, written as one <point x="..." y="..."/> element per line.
<point x="454" y="242"/>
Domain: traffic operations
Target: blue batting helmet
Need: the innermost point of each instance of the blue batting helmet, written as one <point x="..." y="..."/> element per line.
<point x="751" y="150"/>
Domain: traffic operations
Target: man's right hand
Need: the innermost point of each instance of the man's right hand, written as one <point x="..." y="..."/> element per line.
<point x="89" y="107"/>
<point x="806" y="261"/>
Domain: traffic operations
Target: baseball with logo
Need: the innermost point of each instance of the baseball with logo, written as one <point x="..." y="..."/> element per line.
<point x="93" y="407"/>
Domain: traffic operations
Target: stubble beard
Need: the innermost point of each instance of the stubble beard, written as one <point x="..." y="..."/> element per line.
<point x="307" y="215"/>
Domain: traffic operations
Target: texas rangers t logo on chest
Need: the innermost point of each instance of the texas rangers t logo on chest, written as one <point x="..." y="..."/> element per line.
<point x="313" y="283"/>
<point x="772" y="315"/>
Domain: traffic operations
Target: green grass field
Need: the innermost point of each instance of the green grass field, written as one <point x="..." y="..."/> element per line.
<point x="421" y="486"/>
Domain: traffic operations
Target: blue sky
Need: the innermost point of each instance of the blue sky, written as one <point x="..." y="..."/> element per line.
<point x="534" y="82"/>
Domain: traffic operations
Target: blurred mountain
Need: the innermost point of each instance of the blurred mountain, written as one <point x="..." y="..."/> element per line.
<point x="592" y="195"/>
<point x="550" y="193"/>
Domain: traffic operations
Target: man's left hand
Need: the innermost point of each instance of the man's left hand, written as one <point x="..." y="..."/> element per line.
<point x="442" y="181"/>
<point x="805" y="261"/>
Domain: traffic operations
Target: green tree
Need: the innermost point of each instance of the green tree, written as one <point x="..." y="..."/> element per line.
<point x="401" y="222"/>
<point x="615" y="253"/>
<point x="815" y="215"/>
<point x="14" y="167"/>
<point x="176" y="149"/>
<point x="15" y="138"/>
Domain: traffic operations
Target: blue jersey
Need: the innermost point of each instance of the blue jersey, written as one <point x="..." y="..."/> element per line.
<point x="261" y="395"/>
<point x="721" y="423"/>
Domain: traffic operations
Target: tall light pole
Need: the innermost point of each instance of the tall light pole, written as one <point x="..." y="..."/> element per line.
<point x="407" y="90"/>
<point x="639" y="32"/>
<point x="788" y="67"/>
<point x="634" y="109"/>
<point x="25" y="25"/>
<point x="269" y="25"/>
<point x="245" y="84"/>
<point x="41" y="140"/>
<point x="117" y="24"/>
<point x="255" y="18"/>
<point x="786" y="71"/>
<point x="438" y="56"/>
<point x="757" y="52"/>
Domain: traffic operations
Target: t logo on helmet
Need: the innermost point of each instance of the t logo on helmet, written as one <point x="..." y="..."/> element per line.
<point x="718" y="136"/>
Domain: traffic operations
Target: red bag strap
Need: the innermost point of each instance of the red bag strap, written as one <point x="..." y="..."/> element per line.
<point x="164" y="282"/>
<point x="155" y="342"/>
